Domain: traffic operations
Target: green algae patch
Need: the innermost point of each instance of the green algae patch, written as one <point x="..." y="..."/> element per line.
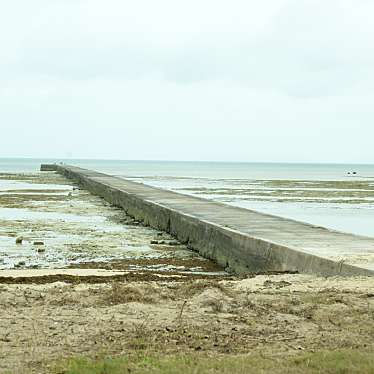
<point x="330" y="362"/>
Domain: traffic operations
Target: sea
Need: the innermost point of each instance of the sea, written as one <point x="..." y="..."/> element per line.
<point x="337" y="196"/>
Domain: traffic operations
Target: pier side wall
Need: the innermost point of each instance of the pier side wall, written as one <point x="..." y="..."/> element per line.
<point x="232" y="249"/>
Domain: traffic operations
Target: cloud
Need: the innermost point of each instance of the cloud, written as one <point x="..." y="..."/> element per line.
<point x="274" y="80"/>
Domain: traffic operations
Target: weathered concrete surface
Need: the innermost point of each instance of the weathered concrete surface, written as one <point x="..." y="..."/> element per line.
<point x="243" y="240"/>
<point x="48" y="167"/>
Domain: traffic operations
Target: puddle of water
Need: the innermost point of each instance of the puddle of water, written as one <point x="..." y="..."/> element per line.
<point x="6" y="185"/>
<point x="29" y="215"/>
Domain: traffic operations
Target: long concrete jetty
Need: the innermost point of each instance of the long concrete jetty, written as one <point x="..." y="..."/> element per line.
<point x="242" y="240"/>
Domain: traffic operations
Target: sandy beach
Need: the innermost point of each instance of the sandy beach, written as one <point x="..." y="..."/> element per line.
<point x="274" y="316"/>
<point x="105" y="286"/>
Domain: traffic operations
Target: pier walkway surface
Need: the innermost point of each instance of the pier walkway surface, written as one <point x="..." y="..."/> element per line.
<point x="242" y="240"/>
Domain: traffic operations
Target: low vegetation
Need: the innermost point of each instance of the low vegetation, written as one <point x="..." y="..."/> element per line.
<point x="338" y="362"/>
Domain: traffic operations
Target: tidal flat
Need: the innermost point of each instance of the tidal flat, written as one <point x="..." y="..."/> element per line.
<point x="46" y="222"/>
<point x="84" y="286"/>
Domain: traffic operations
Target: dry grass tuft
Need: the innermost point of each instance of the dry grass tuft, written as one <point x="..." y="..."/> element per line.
<point x="120" y="293"/>
<point x="216" y="305"/>
<point x="190" y="289"/>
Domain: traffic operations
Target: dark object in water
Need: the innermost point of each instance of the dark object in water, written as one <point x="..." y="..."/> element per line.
<point x="19" y="240"/>
<point x="354" y="172"/>
<point x="38" y="243"/>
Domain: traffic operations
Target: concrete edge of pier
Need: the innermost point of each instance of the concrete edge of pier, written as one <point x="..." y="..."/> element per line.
<point x="238" y="251"/>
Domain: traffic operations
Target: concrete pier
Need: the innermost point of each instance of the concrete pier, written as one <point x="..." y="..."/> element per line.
<point x="243" y="240"/>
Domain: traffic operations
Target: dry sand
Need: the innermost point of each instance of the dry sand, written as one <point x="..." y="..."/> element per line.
<point x="273" y="315"/>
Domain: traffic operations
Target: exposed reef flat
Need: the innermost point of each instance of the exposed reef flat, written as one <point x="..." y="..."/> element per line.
<point x="48" y="222"/>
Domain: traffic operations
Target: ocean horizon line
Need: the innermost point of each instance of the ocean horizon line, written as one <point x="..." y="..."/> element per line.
<point x="57" y="159"/>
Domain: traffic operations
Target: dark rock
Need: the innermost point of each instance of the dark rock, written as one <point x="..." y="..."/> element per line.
<point x="19" y="240"/>
<point x="173" y="242"/>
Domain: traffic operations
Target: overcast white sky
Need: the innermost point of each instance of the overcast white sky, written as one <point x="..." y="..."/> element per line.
<point x="235" y="80"/>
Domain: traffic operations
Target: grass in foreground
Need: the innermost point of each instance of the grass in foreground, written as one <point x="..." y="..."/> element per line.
<point x="344" y="361"/>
